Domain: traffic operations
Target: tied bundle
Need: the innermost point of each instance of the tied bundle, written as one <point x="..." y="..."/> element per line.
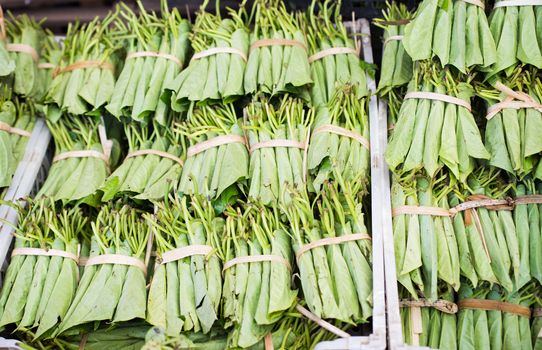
<point x="42" y="276"/>
<point x="340" y="140"/>
<point x="81" y="161"/>
<point x="112" y="286"/>
<point x="257" y="270"/>
<point x="426" y="250"/>
<point x="527" y="219"/>
<point x="186" y="287"/>
<point x="435" y="126"/>
<point x="152" y="166"/>
<point x="490" y="318"/>
<point x="334" y="56"/>
<point x="50" y="58"/>
<point x="333" y="253"/>
<point x="396" y="69"/>
<point x="157" y="52"/>
<point x="84" y="80"/>
<point x="514" y="124"/>
<point x="24" y="44"/>
<point x="217" y="159"/>
<point x="455" y="31"/>
<point x="17" y="118"/>
<point x="277" y="137"/>
<point x="278" y="60"/>
<point x="430" y="323"/>
<point x="221" y="51"/>
<point x="517" y="29"/>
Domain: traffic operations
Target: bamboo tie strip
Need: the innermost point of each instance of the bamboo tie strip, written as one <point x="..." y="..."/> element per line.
<point x="82" y="65"/>
<point x="277" y="41"/>
<point x="46" y="65"/>
<point x="214" y="142"/>
<point x="512" y="3"/>
<point x="45" y="252"/>
<point x="218" y="50"/>
<point x="155" y="152"/>
<point x="10" y="129"/>
<point x="332" y="51"/>
<point x="256" y="258"/>
<point x="185" y="252"/>
<point x="333" y="129"/>
<point x="438" y="97"/>
<point x="23" y="48"/>
<point x="81" y="154"/>
<point x="440" y="304"/>
<point x="117" y="259"/>
<point x="331" y="241"/>
<point x="2" y="25"/>
<point x="513" y="100"/>
<point x="494" y="305"/>
<point x="478" y="3"/>
<point x="324" y="324"/>
<point x="277" y="143"/>
<point x="155" y="54"/>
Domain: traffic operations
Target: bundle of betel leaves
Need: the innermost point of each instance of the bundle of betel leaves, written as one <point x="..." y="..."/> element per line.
<point x="426" y="251"/>
<point x="185" y="290"/>
<point x="157" y="50"/>
<point x="514" y="122"/>
<point x="435" y="127"/>
<point x="333" y="252"/>
<point x="396" y="69"/>
<point x="278" y="60"/>
<point x="112" y="287"/>
<point x="258" y="262"/>
<point x="340" y="140"/>
<point x="491" y="318"/>
<point x="455" y="31"/>
<point x="24" y="42"/>
<point x="17" y="118"/>
<point x="215" y="72"/>
<point x="517" y="29"/>
<point x="51" y="55"/>
<point x="81" y="162"/>
<point x="430" y="323"/>
<point x="277" y="139"/>
<point x="152" y="165"/>
<point x="42" y="275"/>
<point x="84" y="79"/>
<point x="334" y="59"/>
<point x="217" y="157"/>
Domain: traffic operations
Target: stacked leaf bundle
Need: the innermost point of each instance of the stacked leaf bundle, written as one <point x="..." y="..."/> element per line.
<point x="84" y="80"/>
<point x="278" y="60"/>
<point x="334" y="56"/>
<point x="435" y="126"/>
<point x="186" y="287"/>
<point x="340" y="140"/>
<point x="426" y="251"/>
<point x="221" y="51"/>
<point x="23" y="48"/>
<point x="157" y="52"/>
<point x="490" y="318"/>
<point x="40" y="283"/>
<point x="51" y="56"/>
<point x="333" y="252"/>
<point x="112" y="285"/>
<point x="152" y="166"/>
<point x="431" y="324"/>
<point x="518" y="34"/>
<point x="76" y="177"/>
<point x="277" y="137"/>
<point x="455" y="31"/>
<point x="17" y="119"/>
<point x="217" y="159"/>
<point x="396" y="68"/>
<point x="514" y="123"/>
<point x="257" y="293"/>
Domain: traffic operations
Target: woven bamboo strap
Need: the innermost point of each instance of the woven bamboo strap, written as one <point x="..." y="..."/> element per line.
<point x="528" y="199"/>
<point x="440" y="304"/>
<point x="489" y="305"/>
